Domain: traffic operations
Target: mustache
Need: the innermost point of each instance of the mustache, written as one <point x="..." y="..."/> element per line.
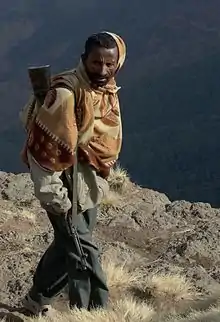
<point x="99" y="76"/>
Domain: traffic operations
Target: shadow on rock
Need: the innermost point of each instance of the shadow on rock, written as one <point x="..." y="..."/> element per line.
<point x="10" y="317"/>
<point x="12" y="314"/>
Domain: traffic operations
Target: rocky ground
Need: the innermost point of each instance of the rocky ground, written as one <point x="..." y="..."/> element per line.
<point x="151" y="233"/>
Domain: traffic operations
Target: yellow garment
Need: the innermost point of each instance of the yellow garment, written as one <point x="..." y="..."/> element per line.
<point x="54" y="129"/>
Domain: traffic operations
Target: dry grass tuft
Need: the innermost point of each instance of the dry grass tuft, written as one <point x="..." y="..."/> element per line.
<point x="206" y="302"/>
<point x="118" y="179"/>
<point x="118" y="182"/>
<point x="125" y="310"/>
<point x="175" y="286"/>
<point x="133" y="310"/>
<point x="212" y="315"/>
<point x="164" y="292"/>
<point x="168" y="293"/>
<point x="112" y="200"/>
<point x="120" y="279"/>
<point x="163" y="298"/>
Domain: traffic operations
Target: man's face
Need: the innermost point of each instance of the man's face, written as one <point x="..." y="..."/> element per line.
<point x="101" y="65"/>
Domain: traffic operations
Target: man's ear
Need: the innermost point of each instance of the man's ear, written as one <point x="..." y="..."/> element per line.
<point x="83" y="57"/>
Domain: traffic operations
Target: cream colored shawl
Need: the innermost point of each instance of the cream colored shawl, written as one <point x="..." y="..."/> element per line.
<point x="90" y="118"/>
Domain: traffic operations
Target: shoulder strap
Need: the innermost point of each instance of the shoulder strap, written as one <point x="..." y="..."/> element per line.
<point x="70" y="81"/>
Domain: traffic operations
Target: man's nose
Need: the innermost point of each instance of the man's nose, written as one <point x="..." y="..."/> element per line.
<point x="103" y="70"/>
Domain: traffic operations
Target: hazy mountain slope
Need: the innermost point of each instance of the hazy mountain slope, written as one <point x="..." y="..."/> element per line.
<point x="169" y="84"/>
<point x="182" y="149"/>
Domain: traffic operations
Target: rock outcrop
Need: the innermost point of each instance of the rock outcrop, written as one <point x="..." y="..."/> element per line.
<point x="148" y="231"/>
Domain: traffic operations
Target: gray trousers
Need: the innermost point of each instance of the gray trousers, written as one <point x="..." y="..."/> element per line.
<point x="58" y="266"/>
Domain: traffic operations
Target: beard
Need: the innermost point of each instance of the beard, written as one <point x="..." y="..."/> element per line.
<point x="98" y="80"/>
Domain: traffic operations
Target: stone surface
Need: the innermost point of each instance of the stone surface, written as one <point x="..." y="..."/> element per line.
<point x="147" y="230"/>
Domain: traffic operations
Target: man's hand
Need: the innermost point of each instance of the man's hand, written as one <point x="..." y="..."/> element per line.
<point x="86" y="154"/>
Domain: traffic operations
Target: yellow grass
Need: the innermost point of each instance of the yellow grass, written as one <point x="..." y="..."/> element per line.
<point x="120" y="279"/>
<point x="111" y="200"/>
<point x="118" y="179"/>
<point x="125" y="310"/>
<point x="212" y="315"/>
<point x="162" y="292"/>
<point x="169" y="293"/>
<point x="161" y="297"/>
<point x="136" y="298"/>
<point x="175" y="287"/>
<point x="118" y="182"/>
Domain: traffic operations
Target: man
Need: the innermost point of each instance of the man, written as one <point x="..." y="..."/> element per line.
<point x="80" y="112"/>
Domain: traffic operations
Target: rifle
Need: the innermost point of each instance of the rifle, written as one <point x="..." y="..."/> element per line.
<point x="70" y="219"/>
<point x="40" y="78"/>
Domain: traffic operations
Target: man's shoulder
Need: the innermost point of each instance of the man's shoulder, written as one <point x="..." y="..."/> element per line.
<point x="66" y="79"/>
<point x="58" y="96"/>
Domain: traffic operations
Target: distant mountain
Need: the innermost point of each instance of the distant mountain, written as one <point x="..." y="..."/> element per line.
<point x="170" y="96"/>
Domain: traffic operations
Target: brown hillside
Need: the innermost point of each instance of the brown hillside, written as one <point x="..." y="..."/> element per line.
<point x="165" y="256"/>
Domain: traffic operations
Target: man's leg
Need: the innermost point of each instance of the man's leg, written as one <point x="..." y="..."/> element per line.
<point x="59" y="265"/>
<point x="78" y="279"/>
<point x="51" y="274"/>
<point x="99" y="290"/>
<point x="92" y="289"/>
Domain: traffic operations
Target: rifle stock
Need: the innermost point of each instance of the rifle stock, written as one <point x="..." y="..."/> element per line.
<point x="40" y="77"/>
